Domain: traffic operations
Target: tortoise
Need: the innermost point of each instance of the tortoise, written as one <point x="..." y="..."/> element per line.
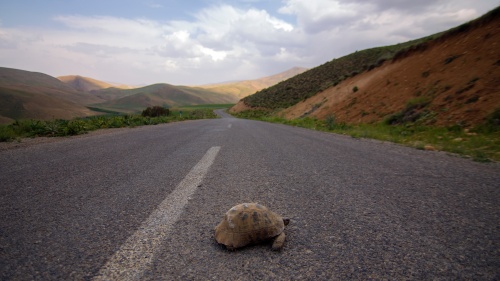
<point x="250" y="223"/>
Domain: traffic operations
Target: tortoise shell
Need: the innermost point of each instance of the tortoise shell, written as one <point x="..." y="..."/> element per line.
<point x="250" y="223"/>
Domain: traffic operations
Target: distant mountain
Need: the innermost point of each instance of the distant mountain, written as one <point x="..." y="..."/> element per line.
<point x="132" y="100"/>
<point x="83" y="84"/>
<point x="241" y="89"/>
<point x="25" y="94"/>
<point x="86" y="84"/>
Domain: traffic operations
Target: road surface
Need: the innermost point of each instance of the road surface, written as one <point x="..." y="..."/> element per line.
<point x="141" y="204"/>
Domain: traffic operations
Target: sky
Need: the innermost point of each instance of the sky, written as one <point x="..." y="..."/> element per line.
<point x="196" y="42"/>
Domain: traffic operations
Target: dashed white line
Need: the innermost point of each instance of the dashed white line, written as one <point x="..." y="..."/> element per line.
<point x="136" y="255"/>
<point x="230" y="125"/>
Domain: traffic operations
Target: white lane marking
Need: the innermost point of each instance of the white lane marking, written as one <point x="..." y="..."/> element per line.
<point x="136" y="255"/>
<point x="230" y="125"/>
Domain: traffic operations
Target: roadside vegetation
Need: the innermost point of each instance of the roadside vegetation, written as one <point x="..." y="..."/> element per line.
<point x="29" y="128"/>
<point x="480" y="143"/>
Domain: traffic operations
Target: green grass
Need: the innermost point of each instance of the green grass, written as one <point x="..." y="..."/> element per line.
<point x="102" y="110"/>
<point x="206" y="106"/>
<point x="481" y="144"/>
<point x="54" y="128"/>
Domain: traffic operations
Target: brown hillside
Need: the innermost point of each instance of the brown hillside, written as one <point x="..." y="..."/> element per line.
<point x="22" y="103"/>
<point x="451" y="80"/>
<point x="25" y="94"/>
<point x="241" y="89"/>
<point x="86" y="84"/>
<point x="83" y="84"/>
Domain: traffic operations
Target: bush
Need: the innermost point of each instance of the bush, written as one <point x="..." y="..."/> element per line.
<point x="59" y="127"/>
<point x="155" y="111"/>
<point x="411" y="113"/>
<point x="330" y="122"/>
<point x="491" y="125"/>
<point x="6" y="133"/>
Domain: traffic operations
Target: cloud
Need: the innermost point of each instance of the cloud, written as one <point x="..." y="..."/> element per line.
<point x="223" y="42"/>
<point x="133" y="31"/>
<point x="226" y="24"/>
<point x="320" y="15"/>
<point x="337" y="27"/>
<point x="225" y="35"/>
<point x="341" y="16"/>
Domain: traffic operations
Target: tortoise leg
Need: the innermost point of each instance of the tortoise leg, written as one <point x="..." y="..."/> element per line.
<point x="279" y="241"/>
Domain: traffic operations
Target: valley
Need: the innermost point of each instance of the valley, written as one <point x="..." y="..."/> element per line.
<point x="439" y="92"/>
<point x="32" y="95"/>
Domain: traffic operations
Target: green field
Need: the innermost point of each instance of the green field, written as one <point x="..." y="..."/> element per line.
<point x="205" y="106"/>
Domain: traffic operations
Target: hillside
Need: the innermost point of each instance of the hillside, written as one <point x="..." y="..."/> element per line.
<point x="132" y="100"/>
<point x="86" y="84"/>
<point x="32" y="95"/>
<point x="241" y="89"/>
<point x="443" y="80"/>
<point x="25" y="94"/>
<point x="311" y="82"/>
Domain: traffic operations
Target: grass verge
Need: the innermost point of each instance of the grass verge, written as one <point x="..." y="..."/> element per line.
<point x="56" y="128"/>
<point x="479" y="144"/>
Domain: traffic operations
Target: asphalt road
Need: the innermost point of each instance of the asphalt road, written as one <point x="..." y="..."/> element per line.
<point x="359" y="209"/>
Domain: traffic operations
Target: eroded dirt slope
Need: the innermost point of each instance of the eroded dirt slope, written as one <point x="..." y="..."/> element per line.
<point x="452" y="80"/>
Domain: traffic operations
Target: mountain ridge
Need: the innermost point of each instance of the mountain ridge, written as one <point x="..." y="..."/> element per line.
<point x="87" y="84"/>
<point x="131" y="100"/>
<point x="244" y="88"/>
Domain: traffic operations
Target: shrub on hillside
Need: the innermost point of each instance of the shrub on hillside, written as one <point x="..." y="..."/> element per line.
<point x="155" y="111"/>
<point x="491" y="124"/>
<point x="330" y="122"/>
<point x="7" y="133"/>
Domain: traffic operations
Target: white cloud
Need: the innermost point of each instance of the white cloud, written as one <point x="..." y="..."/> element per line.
<point x="223" y="42"/>
<point x="321" y="15"/>
<point x="215" y="55"/>
<point x="337" y="27"/>
<point x="223" y="36"/>
<point x="111" y="24"/>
